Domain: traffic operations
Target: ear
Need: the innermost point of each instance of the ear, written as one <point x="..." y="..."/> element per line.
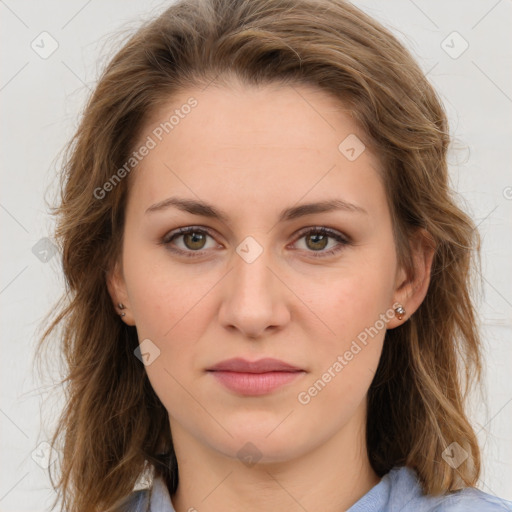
<point x="411" y="288"/>
<point x="118" y="292"/>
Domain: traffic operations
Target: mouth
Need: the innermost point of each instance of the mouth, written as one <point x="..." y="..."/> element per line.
<point x="254" y="378"/>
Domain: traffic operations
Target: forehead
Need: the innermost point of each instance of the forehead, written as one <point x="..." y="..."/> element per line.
<point x="268" y="144"/>
<point x="298" y="116"/>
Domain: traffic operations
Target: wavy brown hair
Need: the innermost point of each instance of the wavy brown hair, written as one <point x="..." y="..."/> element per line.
<point x="113" y="426"/>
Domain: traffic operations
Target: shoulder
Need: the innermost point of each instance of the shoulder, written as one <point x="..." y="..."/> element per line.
<point x="473" y="499"/>
<point x="405" y="489"/>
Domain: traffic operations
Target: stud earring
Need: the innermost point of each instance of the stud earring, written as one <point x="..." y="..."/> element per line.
<point x="121" y="306"/>
<point x="399" y="312"/>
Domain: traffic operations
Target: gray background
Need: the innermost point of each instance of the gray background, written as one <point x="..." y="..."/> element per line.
<point x="41" y="97"/>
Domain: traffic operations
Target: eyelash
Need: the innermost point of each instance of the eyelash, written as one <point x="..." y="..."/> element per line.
<point x="342" y="241"/>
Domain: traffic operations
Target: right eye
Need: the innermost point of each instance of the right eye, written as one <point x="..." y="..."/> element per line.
<point x="193" y="241"/>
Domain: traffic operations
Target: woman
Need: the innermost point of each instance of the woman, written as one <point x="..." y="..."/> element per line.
<point x="269" y="279"/>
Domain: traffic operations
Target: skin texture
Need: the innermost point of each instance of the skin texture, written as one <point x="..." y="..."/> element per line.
<point x="252" y="152"/>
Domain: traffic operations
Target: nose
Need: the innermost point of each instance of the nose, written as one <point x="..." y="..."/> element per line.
<point x="254" y="297"/>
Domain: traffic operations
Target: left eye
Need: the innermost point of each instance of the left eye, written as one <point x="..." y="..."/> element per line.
<point x="194" y="241"/>
<point x="318" y="239"/>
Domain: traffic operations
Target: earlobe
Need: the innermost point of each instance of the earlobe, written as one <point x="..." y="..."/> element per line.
<point x="399" y="311"/>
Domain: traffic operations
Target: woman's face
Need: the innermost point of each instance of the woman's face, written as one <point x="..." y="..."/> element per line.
<point x="258" y="282"/>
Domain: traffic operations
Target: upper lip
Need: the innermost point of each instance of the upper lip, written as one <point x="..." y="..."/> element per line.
<point x="264" y="365"/>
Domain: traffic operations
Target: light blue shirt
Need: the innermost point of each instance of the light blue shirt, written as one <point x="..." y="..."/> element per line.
<point x="398" y="491"/>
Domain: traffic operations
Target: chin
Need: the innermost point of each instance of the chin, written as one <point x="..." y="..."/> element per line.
<point x="262" y="444"/>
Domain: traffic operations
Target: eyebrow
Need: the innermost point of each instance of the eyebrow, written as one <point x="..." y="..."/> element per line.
<point x="294" y="212"/>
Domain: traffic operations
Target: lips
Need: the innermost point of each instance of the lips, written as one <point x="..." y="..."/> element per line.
<point x="261" y="366"/>
<point x="254" y="378"/>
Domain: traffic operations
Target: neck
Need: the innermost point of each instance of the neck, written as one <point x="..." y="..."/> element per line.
<point x="330" y="478"/>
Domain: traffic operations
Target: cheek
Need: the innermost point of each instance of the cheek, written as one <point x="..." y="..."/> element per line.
<point x="163" y="296"/>
<point x="355" y="299"/>
<point x="346" y="355"/>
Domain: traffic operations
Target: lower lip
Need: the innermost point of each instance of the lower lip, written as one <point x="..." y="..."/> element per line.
<point x="254" y="383"/>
